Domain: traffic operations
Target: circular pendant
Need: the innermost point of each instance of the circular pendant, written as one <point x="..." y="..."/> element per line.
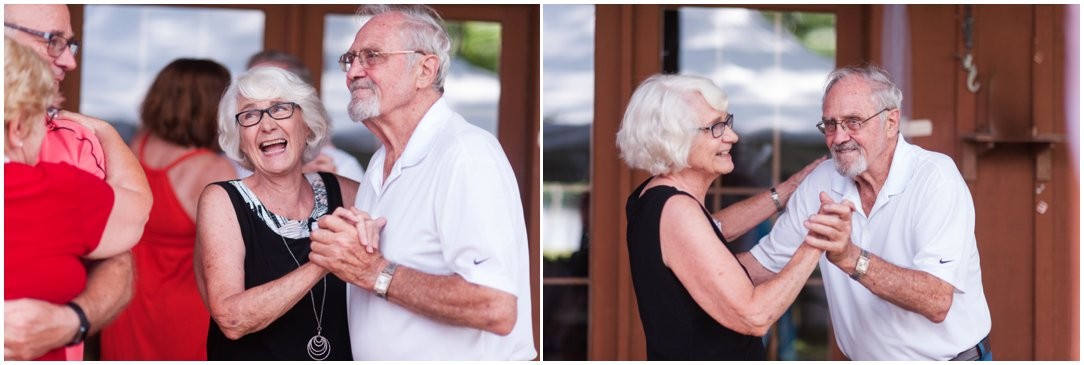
<point x="319" y="348"/>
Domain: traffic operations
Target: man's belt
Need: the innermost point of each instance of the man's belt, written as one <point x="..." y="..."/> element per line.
<point x="975" y="352"/>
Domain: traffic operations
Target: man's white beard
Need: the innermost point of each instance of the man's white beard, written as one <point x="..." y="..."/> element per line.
<point x="855" y="166"/>
<point x="362" y="109"/>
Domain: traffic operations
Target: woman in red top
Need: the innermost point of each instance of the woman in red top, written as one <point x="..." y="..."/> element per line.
<point x="56" y="214"/>
<point x="177" y="148"/>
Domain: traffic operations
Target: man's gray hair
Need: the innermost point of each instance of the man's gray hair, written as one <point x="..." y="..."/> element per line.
<point x="885" y="94"/>
<point x="271" y="83"/>
<point x="424" y="32"/>
<point x="660" y="123"/>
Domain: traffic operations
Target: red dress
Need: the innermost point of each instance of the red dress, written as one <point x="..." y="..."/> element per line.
<point x="53" y="215"/>
<point x="166" y="319"/>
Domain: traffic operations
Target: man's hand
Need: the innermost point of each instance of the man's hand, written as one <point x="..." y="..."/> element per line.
<point x="347" y="245"/>
<point x="830" y="228"/>
<point x="323" y="162"/>
<point x="94" y="124"/>
<point x="33" y="327"/>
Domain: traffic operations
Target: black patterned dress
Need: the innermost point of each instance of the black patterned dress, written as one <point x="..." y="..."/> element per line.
<point x="266" y="259"/>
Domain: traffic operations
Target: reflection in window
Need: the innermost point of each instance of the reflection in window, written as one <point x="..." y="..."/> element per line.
<point x="772" y="66"/>
<point x="125" y="46"/>
<point x="472" y="87"/>
<point x="567" y="115"/>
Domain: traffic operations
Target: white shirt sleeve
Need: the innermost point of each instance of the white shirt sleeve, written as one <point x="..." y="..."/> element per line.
<point x="481" y="218"/>
<point x="943" y="227"/>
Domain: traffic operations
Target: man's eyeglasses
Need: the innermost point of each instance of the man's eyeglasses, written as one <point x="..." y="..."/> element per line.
<point x="368" y="58"/>
<point x="57" y="43"/>
<point x="278" y="111"/>
<point x="853" y="124"/>
<point x="719" y="127"/>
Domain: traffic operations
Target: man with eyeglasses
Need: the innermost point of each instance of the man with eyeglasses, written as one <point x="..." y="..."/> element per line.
<point x="897" y="223"/>
<point x="450" y="279"/>
<point x="32" y="327"/>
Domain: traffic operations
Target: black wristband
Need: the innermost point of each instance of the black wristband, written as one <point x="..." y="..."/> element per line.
<point x="84" y="325"/>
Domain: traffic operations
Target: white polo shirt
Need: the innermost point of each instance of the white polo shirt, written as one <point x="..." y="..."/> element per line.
<point x="924" y="220"/>
<point x="453" y="206"/>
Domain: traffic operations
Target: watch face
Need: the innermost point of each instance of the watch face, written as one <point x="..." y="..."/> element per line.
<point x="381" y="284"/>
<point x="863" y="264"/>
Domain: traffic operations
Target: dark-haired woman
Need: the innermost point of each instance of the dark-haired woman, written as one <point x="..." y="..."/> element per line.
<point x="178" y="149"/>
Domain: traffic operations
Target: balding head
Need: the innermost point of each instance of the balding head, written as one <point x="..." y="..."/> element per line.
<point x="52" y="18"/>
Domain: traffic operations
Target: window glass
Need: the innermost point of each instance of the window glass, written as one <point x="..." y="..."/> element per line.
<point x="125" y="46"/>
<point x="567" y="115"/>
<point x="472" y="86"/>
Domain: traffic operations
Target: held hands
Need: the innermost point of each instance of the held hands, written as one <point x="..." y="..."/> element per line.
<point x="830" y="228"/>
<point x="347" y="244"/>
<point x="33" y="327"/>
<point x="94" y="124"/>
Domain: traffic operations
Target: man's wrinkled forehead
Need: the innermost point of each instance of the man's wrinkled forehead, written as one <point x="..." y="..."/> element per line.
<point x="379" y="31"/>
<point x="43" y="17"/>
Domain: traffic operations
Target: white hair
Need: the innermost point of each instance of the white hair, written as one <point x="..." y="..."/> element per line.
<point x="424" y="31"/>
<point x="660" y="122"/>
<point x="884" y="93"/>
<point x="271" y="83"/>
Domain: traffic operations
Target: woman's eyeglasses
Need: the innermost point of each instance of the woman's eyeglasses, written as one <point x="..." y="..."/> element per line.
<point x="278" y="111"/>
<point x="719" y="127"/>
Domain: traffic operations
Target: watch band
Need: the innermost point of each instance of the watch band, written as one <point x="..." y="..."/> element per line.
<point x="84" y="325"/>
<point x="861" y="266"/>
<point x="384" y="280"/>
<point x="775" y="199"/>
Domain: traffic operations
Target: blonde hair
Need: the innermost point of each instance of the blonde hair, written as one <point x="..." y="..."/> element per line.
<point x="28" y="85"/>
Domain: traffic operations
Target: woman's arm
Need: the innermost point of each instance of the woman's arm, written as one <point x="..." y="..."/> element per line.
<point x="131" y="195"/>
<point x="220" y="276"/>
<point x="740" y="217"/>
<point x="349" y="190"/>
<point x="716" y="280"/>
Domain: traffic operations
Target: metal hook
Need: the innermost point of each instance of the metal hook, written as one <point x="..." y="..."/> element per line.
<point x="968" y="62"/>
<point x="972" y="73"/>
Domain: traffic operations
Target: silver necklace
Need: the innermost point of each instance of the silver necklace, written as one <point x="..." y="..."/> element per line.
<point x="319" y="348"/>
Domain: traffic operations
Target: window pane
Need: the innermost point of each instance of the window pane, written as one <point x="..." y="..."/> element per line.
<point x="772" y="66"/>
<point x="125" y="46"/>
<point x="568" y="89"/>
<point x="472" y="87"/>
<point x="567" y="116"/>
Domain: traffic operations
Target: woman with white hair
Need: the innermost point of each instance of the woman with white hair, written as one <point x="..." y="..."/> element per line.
<point x="696" y="300"/>
<point x="252" y="241"/>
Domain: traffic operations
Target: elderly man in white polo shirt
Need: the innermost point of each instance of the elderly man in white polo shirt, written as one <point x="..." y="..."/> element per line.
<point x="897" y="222"/>
<point x="450" y="278"/>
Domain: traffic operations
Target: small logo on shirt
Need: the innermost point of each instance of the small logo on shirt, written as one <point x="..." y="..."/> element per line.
<point x="479" y="262"/>
<point x="943" y="261"/>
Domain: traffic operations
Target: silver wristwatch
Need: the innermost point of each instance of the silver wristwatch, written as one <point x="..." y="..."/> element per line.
<point x="384" y="280"/>
<point x="861" y="266"/>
